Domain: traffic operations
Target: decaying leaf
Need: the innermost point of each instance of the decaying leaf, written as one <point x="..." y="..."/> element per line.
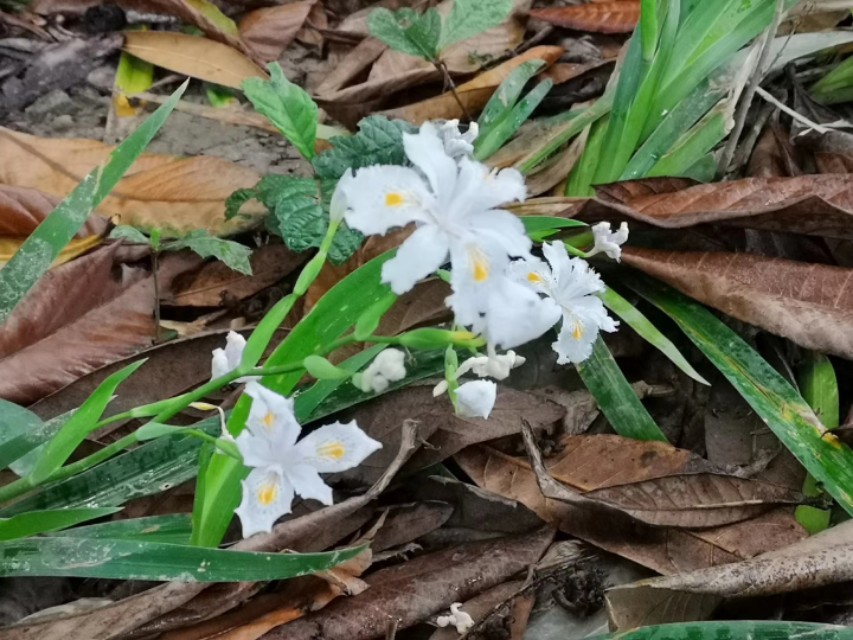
<point x="22" y="210"/>
<point x="215" y="284"/>
<point x="663" y="549"/>
<point x="269" y="30"/>
<point x="118" y="326"/>
<point x="820" y="205"/>
<point x="196" y="57"/>
<point x="381" y="419"/>
<point x="807" y="303"/>
<point x="824" y="559"/>
<point x="422" y="587"/>
<point x="167" y="192"/>
<point x="619" y="16"/>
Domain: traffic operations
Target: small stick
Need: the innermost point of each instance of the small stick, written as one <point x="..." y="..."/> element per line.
<point x="441" y="65"/>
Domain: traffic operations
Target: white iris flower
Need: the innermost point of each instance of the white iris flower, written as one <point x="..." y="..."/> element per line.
<point x="458" y="144"/>
<point x="283" y="467"/>
<point x="573" y="285"/>
<point x="607" y="241"/>
<point x="453" y="206"/>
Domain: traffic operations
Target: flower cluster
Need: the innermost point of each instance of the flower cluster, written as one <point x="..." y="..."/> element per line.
<point x="499" y="289"/>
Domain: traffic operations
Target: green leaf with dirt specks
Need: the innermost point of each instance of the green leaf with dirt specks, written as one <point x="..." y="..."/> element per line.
<point x="769" y="394"/>
<point x="42" y="247"/>
<point x="407" y="31"/>
<point x="232" y="254"/>
<point x="125" y="559"/>
<point x="471" y="17"/>
<point x="36" y="522"/>
<point x="735" y="630"/>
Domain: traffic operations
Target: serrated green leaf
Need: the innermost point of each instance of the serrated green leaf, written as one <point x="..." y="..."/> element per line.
<point x="287" y="106"/>
<point x="36" y="522"/>
<point x="129" y="559"/>
<point x="378" y="141"/>
<point x="471" y="17"/>
<point x="406" y="31"/>
<point x="232" y="254"/>
<point x="42" y="246"/>
<point x="131" y="234"/>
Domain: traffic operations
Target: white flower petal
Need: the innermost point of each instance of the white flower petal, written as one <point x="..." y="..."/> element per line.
<point x="382" y="197"/>
<point x="501" y="231"/>
<point x="219" y="364"/>
<point x="271" y="417"/>
<point x="308" y="483"/>
<point x="336" y="447"/>
<point x="426" y="151"/>
<point x="389" y="366"/>
<point x="420" y="255"/>
<point x="476" y="399"/>
<point x="266" y="497"/>
<point x="338" y="205"/>
<point x="235" y="344"/>
<point x="481" y="189"/>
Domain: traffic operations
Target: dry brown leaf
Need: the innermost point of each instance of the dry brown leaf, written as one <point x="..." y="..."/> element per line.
<point x="475" y="93"/>
<point x="168" y="192"/>
<point x="116" y="328"/>
<point x="217" y="285"/>
<point x="200" y="58"/>
<point x="317" y="22"/>
<point x="819" y="205"/>
<point x="810" y="304"/>
<point x="346" y="70"/>
<point x="381" y="420"/>
<point x="824" y="559"/>
<point x="665" y="550"/>
<point x="420" y="588"/>
<point x="269" y="30"/>
<point x="22" y="210"/>
<point x="620" y="16"/>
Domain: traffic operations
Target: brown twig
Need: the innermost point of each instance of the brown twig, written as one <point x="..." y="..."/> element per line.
<point x="441" y="65"/>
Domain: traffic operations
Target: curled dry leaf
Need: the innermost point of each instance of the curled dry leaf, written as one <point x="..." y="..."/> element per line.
<point x="420" y="588"/>
<point x="22" y="210"/>
<point x="167" y="192"/>
<point x="200" y="58"/>
<point x="810" y="304"/>
<point x="820" y="205"/>
<point x="474" y="94"/>
<point x="111" y="328"/>
<point x="269" y="30"/>
<point x="824" y="559"/>
<point x="665" y="550"/>
<point x="620" y="16"/>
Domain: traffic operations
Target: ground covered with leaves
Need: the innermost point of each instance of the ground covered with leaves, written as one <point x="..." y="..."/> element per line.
<point x="689" y="476"/>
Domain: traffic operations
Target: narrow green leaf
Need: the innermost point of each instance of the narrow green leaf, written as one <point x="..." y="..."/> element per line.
<point x="649" y="332"/>
<point x="21" y="451"/>
<point x="819" y="387"/>
<point x="539" y="228"/>
<point x="406" y="31"/>
<point x="767" y="392"/>
<point x="836" y="86"/>
<point x="513" y="120"/>
<point x="471" y="17"/>
<point x="174" y="528"/>
<point x="232" y="254"/>
<point x="42" y="247"/>
<point x="734" y="630"/>
<point x="83" y="422"/>
<point x="693" y="145"/>
<point x="615" y="396"/>
<point x="36" y="522"/>
<point x="128" y="559"/>
<point x="287" y="106"/>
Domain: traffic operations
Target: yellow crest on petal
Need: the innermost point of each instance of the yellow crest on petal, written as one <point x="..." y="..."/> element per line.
<point x="268" y="420"/>
<point x="534" y="278"/>
<point x="577" y="332"/>
<point x="334" y="450"/>
<point x="479" y="264"/>
<point x="394" y="199"/>
<point x="268" y="492"/>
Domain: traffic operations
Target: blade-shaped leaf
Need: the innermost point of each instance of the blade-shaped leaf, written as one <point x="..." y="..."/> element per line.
<point x="42" y="247"/>
<point x="735" y="630"/>
<point x="35" y="522"/>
